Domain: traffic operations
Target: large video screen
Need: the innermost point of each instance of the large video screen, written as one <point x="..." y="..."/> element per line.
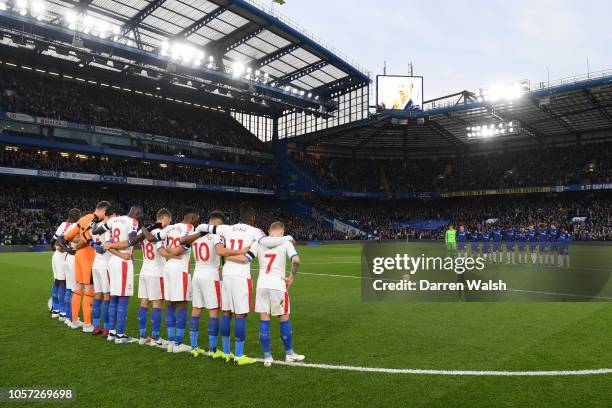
<point x="399" y="92"/>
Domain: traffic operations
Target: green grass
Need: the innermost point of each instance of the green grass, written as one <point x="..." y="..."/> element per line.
<point x="331" y="325"/>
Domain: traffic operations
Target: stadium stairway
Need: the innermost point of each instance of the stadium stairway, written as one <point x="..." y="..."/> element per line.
<point x="384" y="179"/>
<point x="322" y="217"/>
<point x="293" y="177"/>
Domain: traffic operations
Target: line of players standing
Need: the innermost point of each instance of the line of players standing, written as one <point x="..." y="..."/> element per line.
<point x="533" y="246"/>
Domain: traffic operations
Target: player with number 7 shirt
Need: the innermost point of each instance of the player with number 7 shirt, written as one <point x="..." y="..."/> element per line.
<point x="237" y="289"/>
<point x="272" y="298"/>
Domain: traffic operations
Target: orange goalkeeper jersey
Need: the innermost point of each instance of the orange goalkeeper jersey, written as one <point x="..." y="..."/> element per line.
<point x="83" y="230"/>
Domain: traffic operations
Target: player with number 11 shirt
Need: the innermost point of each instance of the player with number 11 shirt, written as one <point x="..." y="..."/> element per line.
<point x="206" y="283"/>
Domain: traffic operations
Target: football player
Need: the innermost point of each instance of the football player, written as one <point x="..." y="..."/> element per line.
<point x="272" y="296"/>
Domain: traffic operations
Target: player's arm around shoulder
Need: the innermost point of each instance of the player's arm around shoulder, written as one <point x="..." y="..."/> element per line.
<point x="246" y="256"/>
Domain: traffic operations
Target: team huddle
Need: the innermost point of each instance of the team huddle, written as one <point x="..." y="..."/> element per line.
<point x="542" y="244"/>
<point x="93" y="271"/>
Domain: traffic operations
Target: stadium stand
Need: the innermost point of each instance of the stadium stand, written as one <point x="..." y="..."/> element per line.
<point x="555" y="165"/>
<point x="82" y="102"/>
<point x="29" y="212"/>
<point x="121" y="167"/>
<point x="381" y="217"/>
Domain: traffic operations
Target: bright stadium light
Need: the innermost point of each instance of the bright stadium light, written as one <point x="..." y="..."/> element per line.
<point x="22" y="7"/>
<point x="2" y="6"/>
<point x="38" y="9"/>
<point x="238" y="69"/>
<point x="102" y="28"/>
<point x="310" y="94"/>
<point x="484" y="131"/>
<point x="503" y="92"/>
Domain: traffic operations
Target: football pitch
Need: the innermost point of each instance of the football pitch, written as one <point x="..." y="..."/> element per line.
<point x="332" y="327"/>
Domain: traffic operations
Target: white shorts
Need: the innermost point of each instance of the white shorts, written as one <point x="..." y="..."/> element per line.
<point x="206" y="292"/>
<point x="58" y="263"/>
<point x="150" y="287"/>
<point x="273" y="302"/>
<point x="121" y="274"/>
<point x="236" y="293"/>
<point x="101" y="278"/>
<point x="177" y="283"/>
<point x="70" y="272"/>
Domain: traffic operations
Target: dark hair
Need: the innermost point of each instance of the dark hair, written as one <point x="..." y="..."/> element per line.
<point x="74" y="214"/>
<point x="103" y="205"/>
<point x="190" y="210"/>
<point x="247" y="212"/>
<point x="217" y="215"/>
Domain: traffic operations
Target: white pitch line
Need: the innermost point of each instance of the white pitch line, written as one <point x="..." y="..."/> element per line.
<point x="482" y="373"/>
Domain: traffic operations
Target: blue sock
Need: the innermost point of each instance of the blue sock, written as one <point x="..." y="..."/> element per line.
<point x="194" y="330"/>
<point x="156" y="316"/>
<point x="68" y="304"/>
<point x="213" y="333"/>
<point x="54" y="299"/>
<point x="171" y="322"/>
<point x="142" y="320"/>
<point x="61" y="295"/>
<point x="226" y="327"/>
<point x="122" y="309"/>
<point x="286" y="337"/>
<point x="264" y="337"/>
<point x="105" y="314"/>
<point x="112" y="312"/>
<point x="181" y="324"/>
<point x="240" y="335"/>
<point x="95" y="312"/>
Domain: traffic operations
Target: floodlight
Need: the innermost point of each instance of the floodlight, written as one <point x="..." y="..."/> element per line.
<point x="310" y="94"/>
<point x="492" y="129"/>
<point x="38" y="9"/>
<point x="238" y="69"/>
<point x="2" y="6"/>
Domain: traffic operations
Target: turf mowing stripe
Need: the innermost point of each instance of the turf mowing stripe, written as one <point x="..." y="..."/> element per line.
<point x="481" y="373"/>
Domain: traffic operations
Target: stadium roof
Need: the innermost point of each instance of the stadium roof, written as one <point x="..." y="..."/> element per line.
<point x="235" y="33"/>
<point x="571" y="107"/>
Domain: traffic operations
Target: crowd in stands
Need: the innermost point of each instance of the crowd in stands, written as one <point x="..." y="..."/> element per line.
<point x="54" y="97"/>
<point x="380" y="217"/>
<point x="122" y="167"/>
<point x="586" y="163"/>
<point x="31" y="210"/>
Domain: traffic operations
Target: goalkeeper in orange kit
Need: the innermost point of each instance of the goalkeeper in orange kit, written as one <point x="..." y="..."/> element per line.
<point x="84" y="258"/>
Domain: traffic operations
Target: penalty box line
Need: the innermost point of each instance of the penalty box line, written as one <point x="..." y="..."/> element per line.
<point x="481" y="373"/>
